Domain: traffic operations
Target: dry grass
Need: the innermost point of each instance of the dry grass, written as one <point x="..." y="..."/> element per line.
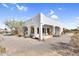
<point x="75" y="39"/>
<point x="2" y="50"/>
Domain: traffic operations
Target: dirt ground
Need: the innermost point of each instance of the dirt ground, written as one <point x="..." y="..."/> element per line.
<point x="55" y="46"/>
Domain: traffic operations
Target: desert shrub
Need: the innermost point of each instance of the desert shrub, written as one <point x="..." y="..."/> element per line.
<point x="75" y="39"/>
<point x="2" y="50"/>
<point x="66" y="31"/>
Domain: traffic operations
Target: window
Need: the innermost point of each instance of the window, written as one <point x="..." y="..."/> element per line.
<point x="43" y="30"/>
<point x="38" y="30"/>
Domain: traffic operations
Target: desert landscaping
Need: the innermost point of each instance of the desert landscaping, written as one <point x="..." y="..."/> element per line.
<point x="39" y="29"/>
<point x="15" y="42"/>
<point x="55" y="46"/>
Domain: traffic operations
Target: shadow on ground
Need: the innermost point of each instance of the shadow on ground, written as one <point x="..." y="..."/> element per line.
<point x="65" y="49"/>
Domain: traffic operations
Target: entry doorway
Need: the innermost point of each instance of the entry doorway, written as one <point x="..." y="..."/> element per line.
<point x="32" y="30"/>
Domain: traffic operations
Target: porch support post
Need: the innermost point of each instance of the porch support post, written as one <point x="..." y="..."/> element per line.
<point x="40" y="32"/>
<point x="35" y="31"/>
<point x="29" y="31"/>
<point x="46" y="31"/>
<point x="60" y="31"/>
<point x="53" y="30"/>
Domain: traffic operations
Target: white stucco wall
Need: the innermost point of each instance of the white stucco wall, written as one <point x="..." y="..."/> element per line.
<point x="33" y="21"/>
<point x="40" y="18"/>
<point x="46" y="20"/>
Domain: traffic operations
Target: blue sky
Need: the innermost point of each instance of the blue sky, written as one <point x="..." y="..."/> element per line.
<point x="66" y="13"/>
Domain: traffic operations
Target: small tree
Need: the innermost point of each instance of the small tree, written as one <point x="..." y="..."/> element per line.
<point x="15" y="26"/>
<point x="20" y="25"/>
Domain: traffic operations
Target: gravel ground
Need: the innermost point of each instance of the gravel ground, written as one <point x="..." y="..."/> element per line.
<point x="19" y="46"/>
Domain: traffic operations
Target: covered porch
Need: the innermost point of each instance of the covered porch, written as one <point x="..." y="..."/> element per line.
<point x="44" y="31"/>
<point x="48" y="31"/>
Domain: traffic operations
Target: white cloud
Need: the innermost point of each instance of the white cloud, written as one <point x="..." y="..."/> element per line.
<point x="21" y="8"/>
<point x="5" y="5"/>
<point x="77" y="20"/>
<point x="59" y="8"/>
<point x="70" y="25"/>
<point x="77" y="17"/>
<point x="51" y="12"/>
<point x="54" y="16"/>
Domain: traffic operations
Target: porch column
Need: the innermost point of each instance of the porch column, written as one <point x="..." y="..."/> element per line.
<point x="45" y="30"/>
<point x="53" y="30"/>
<point x="40" y="32"/>
<point x="29" y="31"/>
<point x="60" y="30"/>
<point x="35" y="30"/>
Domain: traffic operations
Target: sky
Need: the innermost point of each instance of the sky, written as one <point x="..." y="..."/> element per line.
<point x="66" y="13"/>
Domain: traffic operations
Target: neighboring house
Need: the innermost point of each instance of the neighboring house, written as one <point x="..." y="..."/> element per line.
<point x="43" y="27"/>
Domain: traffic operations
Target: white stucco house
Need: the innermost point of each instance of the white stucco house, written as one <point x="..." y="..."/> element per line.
<point x="43" y="27"/>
